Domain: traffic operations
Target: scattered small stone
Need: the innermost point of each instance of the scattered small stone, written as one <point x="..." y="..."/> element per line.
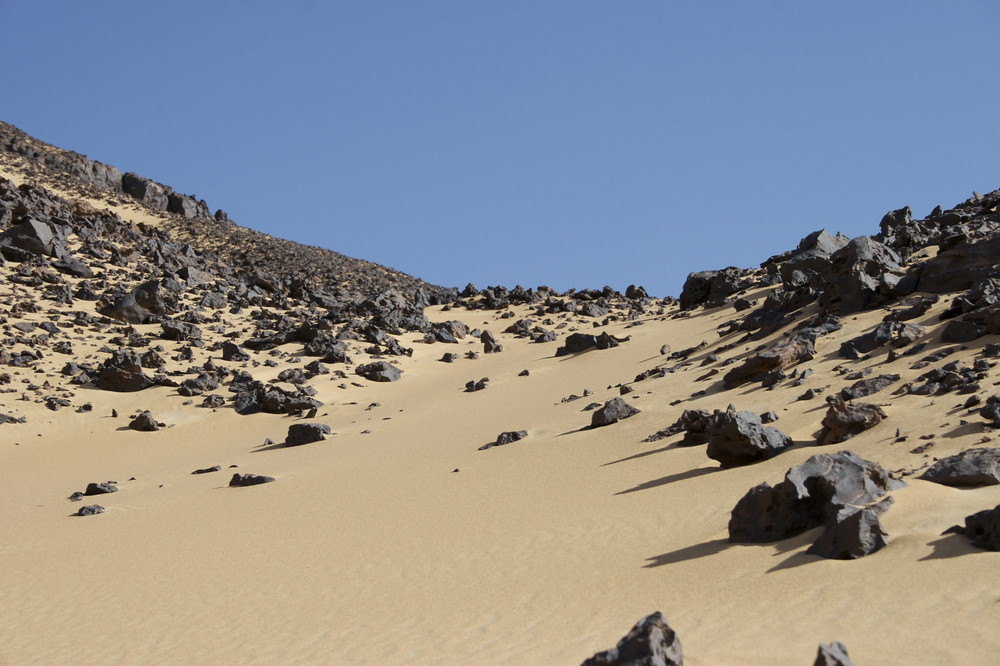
<point x="90" y="510"/>
<point x="240" y="480"/>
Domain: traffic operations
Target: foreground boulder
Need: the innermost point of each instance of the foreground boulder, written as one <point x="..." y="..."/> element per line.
<point x="844" y="420"/>
<point x="651" y="642"/>
<point x="969" y="469"/>
<point x="379" y="371"/>
<point x="983" y="529"/>
<point x="613" y="411"/>
<point x="812" y="494"/>
<point x="306" y="433"/>
<point x="854" y="532"/>
<point x="741" y="438"/>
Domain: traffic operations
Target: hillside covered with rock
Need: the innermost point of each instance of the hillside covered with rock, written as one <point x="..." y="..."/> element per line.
<point x="285" y="447"/>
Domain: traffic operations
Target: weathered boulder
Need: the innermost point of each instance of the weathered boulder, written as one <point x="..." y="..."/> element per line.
<point x="971" y="468"/>
<point x="893" y="333"/>
<point x="306" y="433"/>
<point x="34" y="237"/>
<point x="100" y="488"/>
<point x="90" y="510"/>
<point x="961" y="266"/>
<point x="782" y="355"/>
<point x="854" y="532"/>
<point x="144" y="422"/>
<point x="147" y="303"/>
<point x="865" y="387"/>
<point x="812" y="494"/>
<point x="712" y="286"/>
<point x="844" y="420"/>
<point x="379" y="371"/>
<point x="983" y="528"/>
<point x="651" y="642"/>
<point x="122" y="372"/>
<point x="740" y="438"/>
<point x="613" y="411"/>
<point x="179" y="330"/>
<point x="862" y="275"/>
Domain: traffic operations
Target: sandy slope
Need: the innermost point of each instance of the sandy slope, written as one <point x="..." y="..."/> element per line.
<point x="369" y="548"/>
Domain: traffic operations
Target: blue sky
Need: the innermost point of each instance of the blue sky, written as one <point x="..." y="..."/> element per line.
<point x="567" y="143"/>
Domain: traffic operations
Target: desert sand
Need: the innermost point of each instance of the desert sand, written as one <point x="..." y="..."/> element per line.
<point x="397" y="541"/>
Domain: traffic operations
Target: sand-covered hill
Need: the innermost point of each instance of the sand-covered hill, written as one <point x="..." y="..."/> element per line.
<point x="492" y="477"/>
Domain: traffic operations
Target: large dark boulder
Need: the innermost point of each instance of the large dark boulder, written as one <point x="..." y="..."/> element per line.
<point x="812" y="494"/>
<point x="740" y="438"/>
<point x="844" y="420"/>
<point x="705" y="287"/>
<point x="144" y="422"/>
<point x="306" y="433"/>
<point x="961" y="266"/>
<point x="866" y="387"/>
<point x="969" y="469"/>
<point x="983" y="529"/>
<point x="782" y="355"/>
<point x="854" y="532"/>
<point x="651" y="642"/>
<point x="379" y="371"/>
<point x="100" y="488"/>
<point x="122" y="373"/>
<point x="148" y="192"/>
<point x="861" y="275"/>
<point x="33" y="237"/>
<point x="613" y="411"/>
<point x="893" y="333"/>
<point x="812" y="254"/>
<point x="147" y="303"/>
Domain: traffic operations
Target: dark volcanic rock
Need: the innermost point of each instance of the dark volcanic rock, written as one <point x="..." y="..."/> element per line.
<point x="854" y="532"/>
<point x="861" y="275"/>
<point x="147" y="303"/>
<point x="895" y="334"/>
<point x="983" y="528"/>
<point x="232" y="352"/>
<point x="960" y="266"/>
<point x="122" y="372"/>
<point x="651" y="642"/>
<point x="712" y="286"/>
<point x="379" y="371"/>
<point x="970" y="469"/>
<point x="306" y="433"/>
<point x="613" y="411"/>
<point x="812" y="494"/>
<point x="208" y="470"/>
<point x="100" y="488"/>
<point x="779" y="357"/>
<point x="239" y="480"/>
<point x="740" y="438"/>
<point x="845" y="420"/>
<point x="144" y="422"/>
<point x="33" y="237"/>
<point x="506" y="438"/>
<point x="90" y="510"/>
<point x="866" y="387"/>
<point x="833" y="654"/>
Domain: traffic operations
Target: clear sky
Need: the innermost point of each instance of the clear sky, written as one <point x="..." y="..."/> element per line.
<point x="572" y="143"/>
